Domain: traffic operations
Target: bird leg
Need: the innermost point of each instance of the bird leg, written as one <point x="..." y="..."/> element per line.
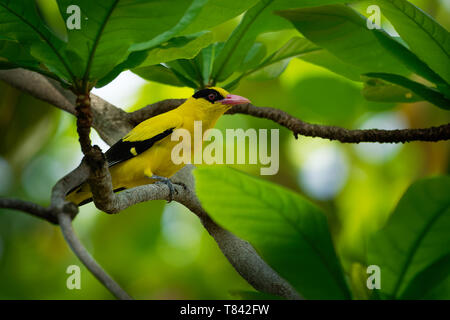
<point x="167" y="182"/>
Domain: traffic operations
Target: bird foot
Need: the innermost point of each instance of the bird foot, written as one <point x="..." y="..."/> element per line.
<point x="168" y="183"/>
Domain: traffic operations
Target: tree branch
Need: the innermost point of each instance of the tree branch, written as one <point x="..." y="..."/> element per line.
<point x="110" y="122"/>
<point x="62" y="212"/>
<point x="299" y="127"/>
<point x="29" y="207"/>
<point x="80" y="251"/>
<point x="240" y="253"/>
<point x="37" y="86"/>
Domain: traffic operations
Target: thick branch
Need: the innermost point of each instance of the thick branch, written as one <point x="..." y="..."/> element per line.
<point x="240" y="253"/>
<point x="37" y="86"/>
<point x="110" y="122"/>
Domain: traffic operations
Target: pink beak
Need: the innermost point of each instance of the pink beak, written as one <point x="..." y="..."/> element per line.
<point x="233" y="99"/>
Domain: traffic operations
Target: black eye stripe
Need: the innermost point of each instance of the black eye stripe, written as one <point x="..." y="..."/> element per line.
<point x="205" y="93"/>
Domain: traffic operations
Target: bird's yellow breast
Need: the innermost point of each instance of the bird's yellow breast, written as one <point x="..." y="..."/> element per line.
<point x="158" y="159"/>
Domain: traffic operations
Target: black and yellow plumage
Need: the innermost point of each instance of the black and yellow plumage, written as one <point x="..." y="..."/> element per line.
<point x="145" y="152"/>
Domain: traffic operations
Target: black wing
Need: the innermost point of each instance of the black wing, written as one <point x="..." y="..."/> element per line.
<point x="124" y="150"/>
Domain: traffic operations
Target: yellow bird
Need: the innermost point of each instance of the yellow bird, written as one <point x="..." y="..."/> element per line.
<point x="143" y="156"/>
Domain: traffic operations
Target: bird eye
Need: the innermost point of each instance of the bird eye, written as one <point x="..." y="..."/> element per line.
<point x="211" y="97"/>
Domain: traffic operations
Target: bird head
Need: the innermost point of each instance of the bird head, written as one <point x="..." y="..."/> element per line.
<point x="217" y="98"/>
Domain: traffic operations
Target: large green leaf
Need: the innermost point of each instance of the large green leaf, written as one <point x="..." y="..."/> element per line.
<point x="187" y="69"/>
<point x="327" y="60"/>
<point x="421" y="90"/>
<point x="238" y="44"/>
<point x="381" y="91"/>
<point x="211" y="13"/>
<point x="159" y="73"/>
<point x="275" y="63"/>
<point x="21" y="22"/>
<point x="184" y="47"/>
<point x="343" y="32"/>
<point x="254" y="57"/>
<point x="103" y="42"/>
<point x="205" y="60"/>
<point x="326" y="99"/>
<point x="415" y="243"/>
<point x="288" y="231"/>
<point x="14" y="53"/>
<point x="425" y="37"/>
<point x="259" y="19"/>
<point x="215" y="12"/>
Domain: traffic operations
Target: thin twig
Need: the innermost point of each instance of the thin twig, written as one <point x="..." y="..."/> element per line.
<point x="59" y="191"/>
<point x="299" y="127"/>
<point x="29" y="207"/>
<point x="65" y="222"/>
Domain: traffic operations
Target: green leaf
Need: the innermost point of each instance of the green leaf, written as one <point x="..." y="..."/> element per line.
<point x="205" y="59"/>
<point x="275" y="63"/>
<point x="344" y="33"/>
<point x="429" y="94"/>
<point x="185" y="47"/>
<point x="428" y="280"/>
<point x="16" y="55"/>
<point x="254" y="56"/>
<point x="215" y="12"/>
<point x="327" y="60"/>
<point x="326" y="98"/>
<point x="294" y="47"/>
<point x="272" y="71"/>
<point x="159" y="73"/>
<point x="380" y="91"/>
<point x="425" y="37"/>
<point x="238" y="44"/>
<point x="257" y="20"/>
<point x="49" y="11"/>
<point x="187" y="69"/>
<point x="20" y="21"/>
<point x="415" y="240"/>
<point x="103" y="42"/>
<point x="289" y="232"/>
<point x="134" y="59"/>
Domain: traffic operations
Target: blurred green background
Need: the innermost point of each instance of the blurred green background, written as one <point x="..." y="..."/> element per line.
<point x="161" y="251"/>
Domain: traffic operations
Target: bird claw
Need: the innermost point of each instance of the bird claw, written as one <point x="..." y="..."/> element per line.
<point x="168" y="183"/>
